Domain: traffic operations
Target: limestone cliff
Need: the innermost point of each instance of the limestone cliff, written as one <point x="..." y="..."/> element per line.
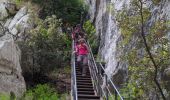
<point x="103" y="14"/>
<point x="14" y="26"/>
<point x="10" y="69"/>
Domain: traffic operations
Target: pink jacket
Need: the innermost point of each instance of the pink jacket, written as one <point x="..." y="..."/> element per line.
<point x="82" y="49"/>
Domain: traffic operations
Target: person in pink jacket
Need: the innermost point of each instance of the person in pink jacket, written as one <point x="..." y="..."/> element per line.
<point x="82" y="55"/>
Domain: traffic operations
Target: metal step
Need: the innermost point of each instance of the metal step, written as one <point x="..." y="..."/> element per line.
<point x="86" y="81"/>
<point x="80" y="76"/>
<point x="88" y="97"/>
<point x="79" y="73"/>
<point x="81" y="83"/>
<point x="85" y="89"/>
<point x="83" y="78"/>
<point x="84" y="86"/>
<point x="86" y="92"/>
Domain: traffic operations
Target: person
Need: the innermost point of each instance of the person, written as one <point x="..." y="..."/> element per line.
<point x="82" y="55"/>
<point x="75" y="32"/>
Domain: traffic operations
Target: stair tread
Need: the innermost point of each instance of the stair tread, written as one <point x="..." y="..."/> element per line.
<point x="83" y="83"/>
<point x="85" y="87"/>
<point x="86" y="93"/>
<point x="88" y="96"/>
<point x="89" y="78"/>
<point x="90" y="86"/>
<point x="88" y="99"/>
<point x="86" y="81"/>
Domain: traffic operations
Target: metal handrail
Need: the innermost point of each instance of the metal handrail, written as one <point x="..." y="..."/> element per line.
<point x="113" y="84"/>
<point x="74" y="79"/>
<point x="91" y="54"/>
<point x="96" y="77"/>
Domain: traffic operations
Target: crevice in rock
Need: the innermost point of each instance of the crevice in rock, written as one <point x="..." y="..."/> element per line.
<point x="96" y="11"/>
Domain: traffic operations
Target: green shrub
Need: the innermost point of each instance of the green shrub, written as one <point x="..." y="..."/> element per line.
<point x="41" y="92"/>
<point x="5" y="97"/>
<point x="93" y="39"/>
<point x="156" y="2"/>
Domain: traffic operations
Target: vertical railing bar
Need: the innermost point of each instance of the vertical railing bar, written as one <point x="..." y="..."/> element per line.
<point x="110" y="93"/>
<point x="106" y="83"/>
<point x="113" y="85"/>
<point x="116" y="95"/>
<point x="103" y="92"/>
<point x="99" y="89"/>
<point x="116" y="89"/>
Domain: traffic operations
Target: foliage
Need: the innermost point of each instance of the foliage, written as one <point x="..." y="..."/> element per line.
<point x="128" y="26"/>
<point x="18" y="1"/>
<point x="141" y="70"/>
<point x="5" y="97"/>
<point x="65" y="97"/>
<point x="93" y="39"/>
<point x="46" y="49"/>
<point x="41" y="92"/>
<point x="50" y="45"/>
<point x="70" y="11"/>
<point x="156" y="2"/>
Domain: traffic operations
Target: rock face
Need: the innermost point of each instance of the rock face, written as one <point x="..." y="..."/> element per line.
<point x="10" y="69"/>
<point x="103" y="14"/>
<point x="17" y="24"/>
<point x="6" y="9"/>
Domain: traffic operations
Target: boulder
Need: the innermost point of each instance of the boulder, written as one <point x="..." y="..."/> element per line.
<point x="3" y="11"/>
<point x="6" y="9"/>
<point x="22" y="12"/>
<point x="10" y="69"/>
<point x="19" y="25"/>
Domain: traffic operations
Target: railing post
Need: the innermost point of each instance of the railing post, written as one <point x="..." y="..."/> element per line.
<point x="99" y="81"/>
<point x="99" y="72"/>
<point x="116" y="95"/>
<point x="106" y="82"/>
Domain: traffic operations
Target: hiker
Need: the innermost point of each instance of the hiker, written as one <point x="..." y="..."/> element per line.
<point x="82" y="35"/>
<point x="82" y="55"/>
<point x="75" y="32"/>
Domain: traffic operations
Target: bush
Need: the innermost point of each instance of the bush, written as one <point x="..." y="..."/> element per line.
<point x="41" y="92"/>
<point x="93" y="39"/>
<point x="5" y="97"/>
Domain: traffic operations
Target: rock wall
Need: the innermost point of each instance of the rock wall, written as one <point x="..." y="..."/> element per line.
<point x="10" y="69"/>
<point x="17" y="22"/>
<point x="15" y="26"/>
<point x="103" y="15"/>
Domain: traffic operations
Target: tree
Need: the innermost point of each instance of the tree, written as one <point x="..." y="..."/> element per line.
<point x="145" y="65"/>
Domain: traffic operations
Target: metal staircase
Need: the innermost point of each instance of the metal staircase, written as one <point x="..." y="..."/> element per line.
<point x="85" y="90"/>
<point x="90" y="87"/>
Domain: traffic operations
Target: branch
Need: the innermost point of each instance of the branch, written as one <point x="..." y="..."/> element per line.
<point x="148" y="50"/>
